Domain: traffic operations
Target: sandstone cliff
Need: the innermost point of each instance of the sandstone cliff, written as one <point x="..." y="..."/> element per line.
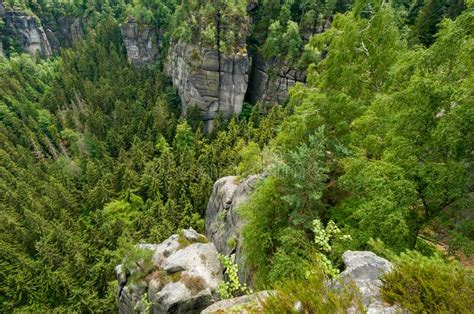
<point x="223" y="222"/>
<point x="141" y="42"/>
<point x="209" y="80"/>
<point x="27" y="32"/>
<point x="33" y="36"/>
<point x="64" y="31"/>
<point x="270" y="83"/>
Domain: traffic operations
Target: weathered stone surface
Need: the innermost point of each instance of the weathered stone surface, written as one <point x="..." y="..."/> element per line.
<point x="365" y="268"/>
<point x="185" y="279"/>
<point x="141" y="42"/>
<point x="271" y="88"/>
<point x="28" y="33"/>
<point x="243" y="304"/>
<point x="64" y="31"/>
<point x="223" y="223"/>
<point x="211" y="81"/>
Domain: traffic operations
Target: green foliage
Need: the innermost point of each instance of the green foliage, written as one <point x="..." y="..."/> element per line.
<point x="391" y="158"/>
<point x="136" y="261"/>
<point x="429" y="284"/>
<point x="232" y="287"/>
<point x="280" y="212"/>
<point x="251" y="160"/>
<point x="92" y="151"/>
<point x="218" y="24"/>
<point x="312" y="295"/>
<point x="323" y="237"/>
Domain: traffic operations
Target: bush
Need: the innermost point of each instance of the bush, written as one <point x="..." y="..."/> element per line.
<point x="423" y="284"/>
<point x="313" y="295"/>
<point x="232" y="287"/>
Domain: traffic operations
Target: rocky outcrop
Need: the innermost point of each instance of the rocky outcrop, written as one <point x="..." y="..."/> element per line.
<point x="244" y="304"/>
<point x="64" y="31"/>
<point x="270" y="85"/>
<point x="141" y="42"/>
<point x="185" y="277"/>
<point x="28" y="33"/>
<point x="211" y="81"/>
<point x="365" y="268"/>
<point x="223" y="222"/>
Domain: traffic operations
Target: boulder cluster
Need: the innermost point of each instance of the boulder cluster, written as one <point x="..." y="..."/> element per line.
<point x="186" y="269"/>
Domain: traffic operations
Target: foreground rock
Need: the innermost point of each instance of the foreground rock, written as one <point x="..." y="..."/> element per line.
<point x="224" y="224"/>
<point x="365" y="268"/>
<point x="185" y="278"/>
<point x="211" y="81"/>
<point x="244" y="304"/>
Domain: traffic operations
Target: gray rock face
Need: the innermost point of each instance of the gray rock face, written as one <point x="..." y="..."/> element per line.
<point x="223" y="223"/>
<point x="211" y="81"/>
<point x="244" y="304"/>
<point x="141" y="43"/>
<point x="28" y="33"/>
<point x="271" y="88"/>
<point x="65" y="31"/>
<point x="364" y="268"/>
<point x="185" y="279"/>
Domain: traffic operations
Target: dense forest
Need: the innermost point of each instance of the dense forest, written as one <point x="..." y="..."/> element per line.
<point x="374" y="151"/>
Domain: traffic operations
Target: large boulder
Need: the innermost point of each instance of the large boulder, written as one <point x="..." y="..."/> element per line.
<point x="141" y="42"/>
<point x="28" y="33"/>
<point x="364" y="269"/>
<point x="185" y="277"/>
<point x="213" y="82"/>
<point x="223" y="222"/>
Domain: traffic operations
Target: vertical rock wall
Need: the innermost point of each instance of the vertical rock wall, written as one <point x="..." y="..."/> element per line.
<point x="28" y="33"/>
<point x="141" y="42"/>
<point x="64" y="31"/>
<point x="223" y="222"/>
<point x="271" y="88"/>
<point x="44" y="37"/>
<point x="209" y="80"/>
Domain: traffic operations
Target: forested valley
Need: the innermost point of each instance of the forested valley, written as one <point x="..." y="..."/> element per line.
<point x="370" y="148"/>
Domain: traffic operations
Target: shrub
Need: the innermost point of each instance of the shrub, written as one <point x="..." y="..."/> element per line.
<point x="232" y="287"/>
<point x="313" y="295"/>
<point x="423" y="284"/>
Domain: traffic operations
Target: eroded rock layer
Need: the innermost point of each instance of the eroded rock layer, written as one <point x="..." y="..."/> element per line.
<point x="223" y="222"/>
<point x="28" y="33"/>
<point x="211" y="81"/>
<point x="141" y="42"/>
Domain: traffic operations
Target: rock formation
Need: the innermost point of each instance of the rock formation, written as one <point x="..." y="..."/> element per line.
<point x="271" y="88"/>
<point x="244" y="304"/>
<point x="64" y="31"/>
<point x="27" y="32"/>
<point x="185" y="277"/>
<point x="44" y="37"/>
<point x="365" y="268"/>
<point x="209" y="80"/>
<point x="141" y="42"/>
<point x="223" y="223"/>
